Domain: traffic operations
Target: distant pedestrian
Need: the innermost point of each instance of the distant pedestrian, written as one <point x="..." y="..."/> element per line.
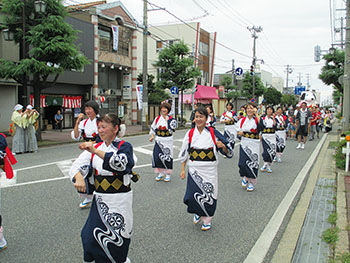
<point x="280" y="134"/>
<point x="6" y="160"/>
<point x="58" y="120"/>
<point x="328" y="121"/>
<point x="211" y="120"/>
<point x="199" y="152"/>
<point x="303" y="118"/>
<point x="88" y="130"/>
<point x="106" y="235"/>
<point x="31" y="115"/>
<point x="193" y="124"/>
<point x="162" y="130"/>
<point x="249" y="128"/>
<point x="229" y="118"/>
<point x="18" y="141"/>
<point x="313" y="123"/>
<point x="268" y="139"/>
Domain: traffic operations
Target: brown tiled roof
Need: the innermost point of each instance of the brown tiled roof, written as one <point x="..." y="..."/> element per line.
<point x="86" y="5"/>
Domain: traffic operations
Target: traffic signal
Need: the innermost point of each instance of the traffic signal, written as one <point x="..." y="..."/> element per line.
<point x="252" y="70"/>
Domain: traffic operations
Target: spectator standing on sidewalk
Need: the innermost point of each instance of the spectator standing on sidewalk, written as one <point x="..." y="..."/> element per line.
<point x="18" y="141"/>
<point x="58" y="120"/>
<point x="88" y="130"/>
<point x="303" y="118"/>
<point x="31" y="115"/>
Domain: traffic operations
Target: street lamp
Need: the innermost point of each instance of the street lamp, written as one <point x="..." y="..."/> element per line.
<point x="8" y="35"/>
<point x="40" y="6"/>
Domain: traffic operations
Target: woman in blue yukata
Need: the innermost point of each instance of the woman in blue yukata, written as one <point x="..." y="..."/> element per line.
<point x="162" y="130"/>
<point x="268" y="139"/>
<point x="107" y="232"/>
<point x="6" y="160"/>
<point x="248" y="128"/>
<point x="199" y="152"/>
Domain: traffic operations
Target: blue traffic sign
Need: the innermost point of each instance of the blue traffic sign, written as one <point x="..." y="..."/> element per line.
<point x="299" y="89"/>
<point x="174" y="90"/>
<point x="239" y="71"/>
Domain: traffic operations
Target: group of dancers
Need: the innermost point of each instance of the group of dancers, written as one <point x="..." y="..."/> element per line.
<point x="104" y="168"/>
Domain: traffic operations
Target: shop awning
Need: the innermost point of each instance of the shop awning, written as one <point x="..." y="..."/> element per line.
<point x="205" y="93"/>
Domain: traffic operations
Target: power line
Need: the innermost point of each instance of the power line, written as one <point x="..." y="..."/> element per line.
<point x="219" y="43"/>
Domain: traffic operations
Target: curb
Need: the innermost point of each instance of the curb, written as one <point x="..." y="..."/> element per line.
<point x="342" y="245"/>
<point x="261" y="247"/>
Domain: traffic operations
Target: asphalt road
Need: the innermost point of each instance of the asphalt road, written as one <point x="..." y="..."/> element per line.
<point x="42" y="219"/>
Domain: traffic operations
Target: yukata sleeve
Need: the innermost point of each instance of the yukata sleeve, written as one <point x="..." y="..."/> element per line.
<point x="81" y="129"/>
<point x="260" y="127"/>
<point x="183" y="154"/>
<point x="121" y="161"/>
<point x="228" y="145"/>
<point x="172" y="125"/>
<point x="222" y="118"/>
<point x="153" y="128"/>
<point x="82" y="164"/>
<point x="237" y="125"/>
<point x="235" y="117"/>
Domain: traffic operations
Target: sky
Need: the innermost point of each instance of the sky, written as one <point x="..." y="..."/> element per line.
<point x="291" y="29"/>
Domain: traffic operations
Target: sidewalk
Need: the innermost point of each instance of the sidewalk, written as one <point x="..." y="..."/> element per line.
<point x="55" y="137"/>
<point x="326" y="192"/>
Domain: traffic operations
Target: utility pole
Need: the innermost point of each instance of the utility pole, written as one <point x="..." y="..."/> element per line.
<point x="289" y="70"/>
<point x="144" y="111"/>
<point x="233" y="73"/>
<point x="254" y="30"/>
<point x="308" y="81"/>
<point x="299" y="75"/>
<point x="341" y="33"/>
<point x="346" y="93"/>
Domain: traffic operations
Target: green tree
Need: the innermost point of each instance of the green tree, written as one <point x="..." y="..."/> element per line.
<point x="289" y="99"/>
<point x="247" y="88"/>
<point x="332" y="70"/>
<point x="272" y="96"/>
<point x="49" y="44"/>
<point x="231" y="92"/>
<point x="155" y="93"/>
<point x="177" y="68"/>
<point x="336" y="95"/>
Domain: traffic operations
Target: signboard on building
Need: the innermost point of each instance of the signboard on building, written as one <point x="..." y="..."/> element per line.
<point x="139" y="96"/>
<point x="126" y="86"/>
<point x="115" y="31"/>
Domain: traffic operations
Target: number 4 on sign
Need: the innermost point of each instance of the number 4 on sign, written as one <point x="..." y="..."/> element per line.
<point x="347" y="153"/>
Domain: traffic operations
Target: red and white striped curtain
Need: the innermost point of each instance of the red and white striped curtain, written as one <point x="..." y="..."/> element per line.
<point x="42" y="101"/>
<point x="72" y="102"/>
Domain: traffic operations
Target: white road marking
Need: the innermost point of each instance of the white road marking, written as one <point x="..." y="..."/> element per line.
<point x="60" y="178"/>
<point x="41" y="165"/>
<point x="262" y="245"/>
<point x="65" y="166"/>
<point x="142" y="150"/>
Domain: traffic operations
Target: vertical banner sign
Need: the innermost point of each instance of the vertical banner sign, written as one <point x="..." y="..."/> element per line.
<point x="139" y="96"/>
<point x="115" y="30"/>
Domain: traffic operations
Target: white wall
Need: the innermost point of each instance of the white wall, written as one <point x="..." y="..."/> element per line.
<point x="277" y="83"/>
<point x="7" y="101"/>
